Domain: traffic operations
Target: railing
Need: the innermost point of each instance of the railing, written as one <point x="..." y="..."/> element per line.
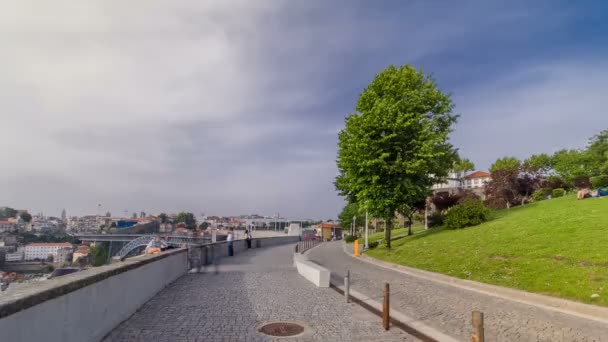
<point x="303" y="246"/>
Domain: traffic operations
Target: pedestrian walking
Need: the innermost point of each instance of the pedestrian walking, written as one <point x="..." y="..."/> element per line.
<point x="248" y="238"/>
<point x="230" y="240"/>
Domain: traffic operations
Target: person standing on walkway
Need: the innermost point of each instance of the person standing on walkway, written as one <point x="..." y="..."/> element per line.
<point x="248" y="238"/>
<point x="230" y="240"/>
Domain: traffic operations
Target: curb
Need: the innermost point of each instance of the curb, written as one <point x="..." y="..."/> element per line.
<point x="410" y="325"/>
<point x="586" y="311"/>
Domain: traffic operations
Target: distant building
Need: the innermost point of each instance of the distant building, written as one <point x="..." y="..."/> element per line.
<point x="43" y="250"/>
<point x="477" y="179"/>
<point x="16" y="256"/>
<point x="453" y="181"/>
<point x="328" y="230"/>
<point x="80" y="252"/>
<point x="7" y="226"/>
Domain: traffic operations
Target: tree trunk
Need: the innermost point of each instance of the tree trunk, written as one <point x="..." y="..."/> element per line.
<point x="387" y="233"/>
<point x="409" y="225"/>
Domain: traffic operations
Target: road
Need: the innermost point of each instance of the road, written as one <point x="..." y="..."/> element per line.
<point x="448" y="308"/>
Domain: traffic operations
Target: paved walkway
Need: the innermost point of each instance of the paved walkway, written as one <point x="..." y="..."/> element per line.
<point x="256" y="286"/>
<point x="448" y="309"/>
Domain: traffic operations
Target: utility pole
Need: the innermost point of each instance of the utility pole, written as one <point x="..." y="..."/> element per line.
<point x="355" y="225"/>
<point x="366" y="232"/>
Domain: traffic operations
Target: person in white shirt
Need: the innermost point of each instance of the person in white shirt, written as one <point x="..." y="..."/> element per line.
<point x="230" y="240"/>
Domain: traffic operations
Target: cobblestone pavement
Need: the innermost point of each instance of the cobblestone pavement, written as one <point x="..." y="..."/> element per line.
<point x="448" y="309"/>
<point x="256" y="286"/>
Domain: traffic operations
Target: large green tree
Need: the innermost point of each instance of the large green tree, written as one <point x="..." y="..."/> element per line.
<point x="463" y="165"/>
<point x="6" y="212"/>
<point x="26" y="217"/>
<point x="396" y="145"/>
<point x="188" y="219"/>
<point x="598" y="153"/>
<point x="506" y="164"/>
<point x="569" y="164"/>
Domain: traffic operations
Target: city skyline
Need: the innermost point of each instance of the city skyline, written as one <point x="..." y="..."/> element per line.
<point x="235" y="106"/>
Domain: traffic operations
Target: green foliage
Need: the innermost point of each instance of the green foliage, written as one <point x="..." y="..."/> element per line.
<point x="350" y="238"/>
<point x="100" y="255"/>
<point x="598" y="153"/>
<point x="558" y="193"/>
<point x="463" y="165"/>
<point x="539" y="195"/>
<point x="397" y="138"/>
<point x="505" y="164"/>
<point x="6" y="212"/>
<point x="569" y="164"/>
<point x="187" y="219"/>
<point x="26" y="217"/>
<point x="470" y="213"/>
<point x="436" y="219"/>
<point x="373" y="244"/>
<point x="538" y="163"/>
<point x="599" y="181"/>
<point x="349" y="211"/>
<point x="163" y="217"/>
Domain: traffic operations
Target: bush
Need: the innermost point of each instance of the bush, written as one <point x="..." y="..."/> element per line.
<point x="436" y="219"/>
<point x="582" y="182"/>
<point x="470" y="213"/>
<point x="539" y="195"/>
<point x="558" y="193"/>
<point x="373" y="244"/>
<point x="350" y="238"/>
<point x="599" y="182"/>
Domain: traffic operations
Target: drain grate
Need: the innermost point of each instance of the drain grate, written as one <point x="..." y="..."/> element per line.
<point x="281" y="329"/>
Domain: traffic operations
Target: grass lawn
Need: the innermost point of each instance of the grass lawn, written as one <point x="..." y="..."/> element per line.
<point x="557" y="247"/>
<point x="395" y="232"/>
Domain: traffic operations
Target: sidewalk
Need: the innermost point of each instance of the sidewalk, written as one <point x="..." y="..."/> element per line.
<point x="254" y="287"/>
<point x="448" y="309"/>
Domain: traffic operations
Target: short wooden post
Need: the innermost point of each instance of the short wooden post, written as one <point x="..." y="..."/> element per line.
<point x="386" y="316"/>
<point x="347" y="285"/>
<point x="477" y="322"/>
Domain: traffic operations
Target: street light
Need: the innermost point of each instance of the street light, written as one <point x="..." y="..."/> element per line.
<point x="366" y="232"/>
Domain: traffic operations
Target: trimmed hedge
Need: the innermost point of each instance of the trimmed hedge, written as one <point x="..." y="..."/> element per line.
<point x="538" y="195"/>
<point x="599" y="181"/>
<point x="350" y="238"/>
<point x="469" y="213"/>
<point x="558" y="193"/>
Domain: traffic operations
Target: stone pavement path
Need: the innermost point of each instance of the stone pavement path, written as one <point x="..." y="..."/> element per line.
<point x="256" y="286"/>
<point x="448" y="309"/>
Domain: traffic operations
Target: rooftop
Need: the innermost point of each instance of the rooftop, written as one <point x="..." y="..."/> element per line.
<point x="49" y="244"/>
<point x="478" y="174"/>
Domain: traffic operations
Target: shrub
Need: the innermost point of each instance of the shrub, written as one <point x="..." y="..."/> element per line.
<point x="582" y="182"/>
<point x="373" y="244"/>
<point x="436" y="219"/>
<point x="558" y="193"/>
<point x="538" y="195"/>
<point x="554" y="182"/>
<point x="350" y="238"/>
<point x="599" y="182"/>
<point x="470" y="213"/>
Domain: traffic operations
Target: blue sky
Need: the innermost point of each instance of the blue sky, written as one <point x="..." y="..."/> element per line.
<point x="229" y="107"/>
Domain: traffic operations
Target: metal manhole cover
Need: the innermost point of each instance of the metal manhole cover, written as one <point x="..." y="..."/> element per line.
<point x="281" y="329"/>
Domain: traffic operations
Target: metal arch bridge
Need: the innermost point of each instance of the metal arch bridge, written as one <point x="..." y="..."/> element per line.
<point x="142" y="241"/>
<point x="137" y="241"/>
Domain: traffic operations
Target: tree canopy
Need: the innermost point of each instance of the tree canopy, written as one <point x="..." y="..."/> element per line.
<point x="505" y="164"/>
<point x="187" y="219"/>
<point x="26" y="217"/>
<point x="396" y="146"/>
<point x="463" y="165"/>
<point x="349" y="211"/>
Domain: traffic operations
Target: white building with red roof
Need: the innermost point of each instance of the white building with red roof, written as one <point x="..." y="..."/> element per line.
<point x="43" y="250"/>
<point x="477" y="179"/>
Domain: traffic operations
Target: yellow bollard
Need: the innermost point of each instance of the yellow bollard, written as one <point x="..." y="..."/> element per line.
<point x="356" y="248"/>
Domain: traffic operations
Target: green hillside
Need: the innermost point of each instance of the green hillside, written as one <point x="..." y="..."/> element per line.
<point x="557" y="247"/>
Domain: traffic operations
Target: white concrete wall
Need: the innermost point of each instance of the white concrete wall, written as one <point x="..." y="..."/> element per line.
<point x="316" y="274"/>
<point x="91" y="312"/>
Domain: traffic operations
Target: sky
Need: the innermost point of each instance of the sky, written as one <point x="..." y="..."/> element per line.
<point x="233" y="107"/>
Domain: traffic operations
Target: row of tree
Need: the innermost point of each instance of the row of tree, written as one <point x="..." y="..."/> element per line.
<point x="514" y="181"/>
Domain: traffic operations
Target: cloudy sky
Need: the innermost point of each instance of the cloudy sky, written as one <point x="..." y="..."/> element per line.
<point x="229" y="107"/>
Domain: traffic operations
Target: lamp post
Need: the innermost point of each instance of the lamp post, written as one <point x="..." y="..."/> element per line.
<point x="366" y="233"/>
<point x="355" y="225"/>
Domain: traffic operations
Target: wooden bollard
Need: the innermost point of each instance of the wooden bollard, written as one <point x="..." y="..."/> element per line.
<point x="347" y="285"/>
<point x="386" y="316"/>
<point x="477" y="322"/>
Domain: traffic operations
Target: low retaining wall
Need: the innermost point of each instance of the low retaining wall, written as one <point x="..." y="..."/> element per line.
<point x="205" y="255"/>
<point x="87" y="305"/>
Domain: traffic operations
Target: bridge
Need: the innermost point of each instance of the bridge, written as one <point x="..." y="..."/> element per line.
<point x="121" y="245"/>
